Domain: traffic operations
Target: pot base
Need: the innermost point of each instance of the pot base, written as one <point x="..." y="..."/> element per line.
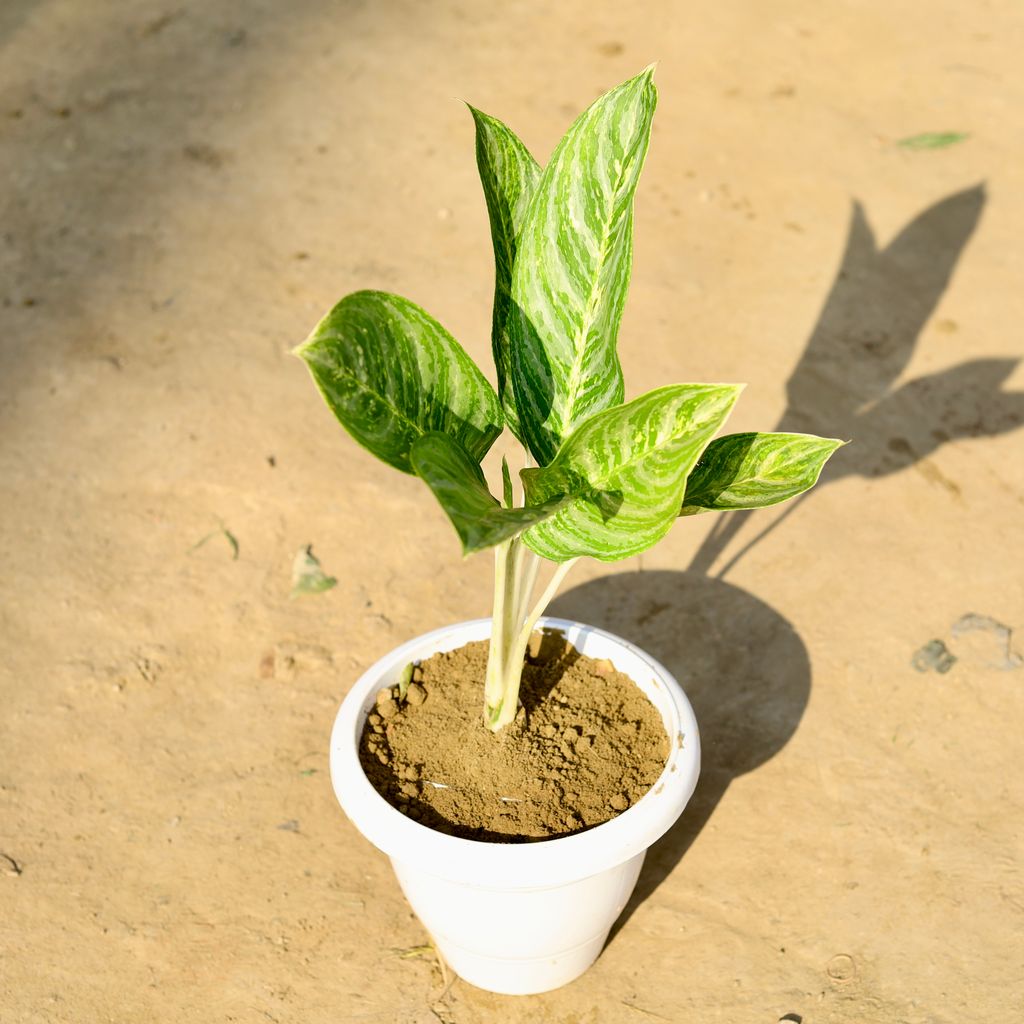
<point x="544" y="939"/>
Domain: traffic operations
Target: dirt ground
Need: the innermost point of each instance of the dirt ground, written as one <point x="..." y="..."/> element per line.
<point x="186" y="186"/>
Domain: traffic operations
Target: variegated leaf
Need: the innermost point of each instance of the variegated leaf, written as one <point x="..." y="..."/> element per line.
<point x="390" y="373"/>
<point x="754" y="470"/>
<point x="508" y="174"/>
<point x="625" y="469"/>
<point x="459" y="485"/>
<point x="572" y="269"/>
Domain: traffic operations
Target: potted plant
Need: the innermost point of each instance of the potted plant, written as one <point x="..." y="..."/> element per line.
<point x="601" y="477"/>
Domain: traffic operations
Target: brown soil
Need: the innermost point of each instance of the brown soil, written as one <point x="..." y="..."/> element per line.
<point x="585" y="746"/>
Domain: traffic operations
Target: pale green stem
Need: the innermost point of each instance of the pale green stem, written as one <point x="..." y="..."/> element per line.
<point x="538" y="609"/>
<point x="494" y="687"/>
<point x="500" y="712"/>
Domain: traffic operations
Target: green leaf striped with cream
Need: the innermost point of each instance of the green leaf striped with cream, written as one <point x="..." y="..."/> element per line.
<point x="459" y="485"/>
<point x="742" y="471"/>
<point x="391" y="373"/>
<point x="625" y="470"/>
<point x="572" y="269"/>
<point x="509" y="175"/>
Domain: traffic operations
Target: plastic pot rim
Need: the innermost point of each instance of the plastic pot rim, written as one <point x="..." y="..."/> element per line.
<point x="541" y="864"/>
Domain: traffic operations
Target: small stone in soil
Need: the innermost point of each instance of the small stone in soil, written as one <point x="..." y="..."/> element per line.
<point x="619" y="802"/>
<point x="383" y="696"/>
<point x="389" y="708"/>
<point x="415" y="694"/>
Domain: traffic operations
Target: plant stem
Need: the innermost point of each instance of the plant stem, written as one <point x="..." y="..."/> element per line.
<point x="494" y="686"/>
<point x="512" y="626"/>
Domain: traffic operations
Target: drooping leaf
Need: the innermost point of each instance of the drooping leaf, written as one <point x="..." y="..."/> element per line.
<point x="390" y="373"/>
<point x="572" y="269"/>
<point x="459" y="485"/>
<point x="508" y="174"/>
<point x="755" y="470"/>
<point x="308" y="577"/>
<point x="625" y="470"/>
<point x="932" y="140"/>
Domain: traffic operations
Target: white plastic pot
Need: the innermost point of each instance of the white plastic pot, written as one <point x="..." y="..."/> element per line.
<point x="526" y="917"/>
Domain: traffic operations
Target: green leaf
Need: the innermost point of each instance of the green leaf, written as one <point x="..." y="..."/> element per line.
<point x="572" y="269"/>
<point x="625" y="470"/>
<point x="933" y="140"/>
<point x="391" y="373"/>
<point x="508" y="174"/>
<point x="506" y="484"/>
<point x="404" y="679"/>
<point x="307" y="575"/>
<point x="754" y="470"/>
<point x="459" y="485"/>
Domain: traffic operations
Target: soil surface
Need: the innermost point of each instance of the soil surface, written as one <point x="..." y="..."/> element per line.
<point x="187" y="186"/>
<point x="585" y="746"/>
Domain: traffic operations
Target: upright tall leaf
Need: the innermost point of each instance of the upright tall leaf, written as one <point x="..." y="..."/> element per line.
<point x="741" y="471"/>
<point x="625" y="469"/>
<point x="390" y="373"/>
<point x="572" y="269"/>
<point x="509" y="175"/>
<point x="457" y="483"/>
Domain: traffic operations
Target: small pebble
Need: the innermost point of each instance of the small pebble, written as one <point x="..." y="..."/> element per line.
<point x="619" y="802"/>
<point x="389" y="708"/>
<point x="603" y="666"/>
<point x="415" y="694"/>
<point x="572" y="734"/>
<point x="383" y="696"/>
<point x="411" y="774"/>
<point x="374" y="719"/>
<point x="409" y="789"/>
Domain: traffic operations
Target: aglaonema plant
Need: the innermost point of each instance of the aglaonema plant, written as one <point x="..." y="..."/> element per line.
<point x="602" y="477"/>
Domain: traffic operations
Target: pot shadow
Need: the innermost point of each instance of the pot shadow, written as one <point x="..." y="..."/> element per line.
<point x="742" y="664"/>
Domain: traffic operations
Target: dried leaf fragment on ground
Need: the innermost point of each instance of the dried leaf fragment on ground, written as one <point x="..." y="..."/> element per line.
<point x="307" y="575"/>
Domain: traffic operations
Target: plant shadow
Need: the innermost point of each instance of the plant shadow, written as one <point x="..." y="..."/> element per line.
<point x="741" y="663"/>
<point x="847" y="382"/>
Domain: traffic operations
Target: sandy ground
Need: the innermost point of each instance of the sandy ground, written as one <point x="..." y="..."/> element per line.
<point x="185" y="187"/>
